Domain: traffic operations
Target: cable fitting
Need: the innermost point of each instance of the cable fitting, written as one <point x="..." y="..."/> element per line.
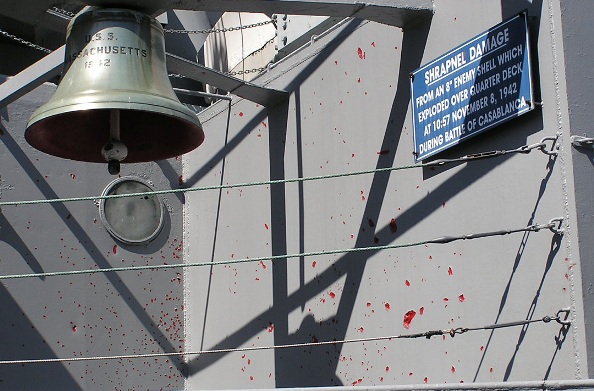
<point x="582" y="142"/>
<point x="543" y="147"/>
<point x="556" y="226"/>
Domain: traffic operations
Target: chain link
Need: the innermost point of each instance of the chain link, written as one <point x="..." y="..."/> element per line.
<point x="219" y="30"/>
<point x="24" y="42"/>
<point x="247" y="71"/>
<point x="62" y="13"/>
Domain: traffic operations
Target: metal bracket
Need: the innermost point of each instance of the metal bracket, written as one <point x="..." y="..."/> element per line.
<point x="582" y="142"/>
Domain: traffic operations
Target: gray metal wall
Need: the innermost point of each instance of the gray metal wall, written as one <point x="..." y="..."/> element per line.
<point x="82" y="315"/>
<point x="348" y="111"/>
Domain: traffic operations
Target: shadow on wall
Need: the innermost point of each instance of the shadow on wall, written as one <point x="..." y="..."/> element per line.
<point x="295" y="367"/>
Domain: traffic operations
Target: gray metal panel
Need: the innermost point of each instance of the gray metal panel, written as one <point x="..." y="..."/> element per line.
<point x="349" y="111"/>
<point x="82" y="315"/>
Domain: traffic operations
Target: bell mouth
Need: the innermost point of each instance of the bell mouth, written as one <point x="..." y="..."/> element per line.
<point x="81" y="134"/>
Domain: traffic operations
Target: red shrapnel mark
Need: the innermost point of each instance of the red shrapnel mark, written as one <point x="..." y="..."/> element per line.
<point x="115" y="248"/>
<point x="387" y="305"/>
<point x="368" y="304"/>
<point x="271" y="328"/>
<point x="453" y="369"/>
<point x="241" y="113"/>
<point x="422" y="310"/>
<point x="371" y="223"/>
<point x="74" y="329"/>
<point x="443" y="205"/>
<point x="359" y="80"/>
<point x="566" y="276"/>
<point x="387" y="369"/>
<point x="332" y="294"/>
<point x="491" y="370"/>
<point x="430" y="257"/>
<point x="72" y="176"/>
<point x="461" y="298"/>
<point x="249" y="361"/>
<point x="251" y="378"/>
<point x="408" y="317"/>
<point x="265" y="225"/>
<point x="336" y="62"/>
<point x="411" y="373"/>
<point x="361" y="53"/>
<point x="360" y="329"/>
<point x="180" y="180"/>
<point x="263" y="264"/>
<point x="393" y="226"/>
<point x="358" y="381"/>
<point x="313" y="264"/>
<point x="373" y="44"/>
<point x="407" y="283"/>
<point x="482" y="348"/>
<point x="384" y="152"/>
<point x="264" y="124"/>
<point x="446" y="299"/>
<point x="425" y="380"/>
<point x="381" y="378"/>
<point x="450" y="271"/>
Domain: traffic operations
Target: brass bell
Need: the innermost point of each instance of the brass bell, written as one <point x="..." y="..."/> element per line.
<point x="115" y="101"/>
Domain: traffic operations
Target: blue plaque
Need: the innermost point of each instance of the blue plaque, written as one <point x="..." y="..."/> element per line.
<point x="474" y="87"/>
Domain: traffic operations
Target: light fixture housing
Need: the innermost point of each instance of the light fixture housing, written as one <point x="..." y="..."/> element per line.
<point x="134" y="220"/>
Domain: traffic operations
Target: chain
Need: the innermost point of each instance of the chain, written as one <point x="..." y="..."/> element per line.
<point x="61" y="13"/>
<point x="247" y="71"/>
<point x="219" y="30"/>
<point x="24" y="42"/>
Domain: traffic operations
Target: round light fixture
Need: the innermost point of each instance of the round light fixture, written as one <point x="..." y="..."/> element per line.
<point x="133" y="220"/>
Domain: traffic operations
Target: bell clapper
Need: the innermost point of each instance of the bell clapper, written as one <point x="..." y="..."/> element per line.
<point x="114" y="151"/>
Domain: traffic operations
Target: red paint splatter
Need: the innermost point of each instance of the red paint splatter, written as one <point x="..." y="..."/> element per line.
<point x="332" y="294"/>
<point x="383" y="152"/>
<point x="241" y="113"/>
<point x="313" y="264"/>
<point x="425" y="380"/>
<point x="407" y="283"/>
<point x="450" y="271"/>
<point x="361" y="53"/>
<point x="264" y="124"/>
<point x="461" y="298"/>
<point x="360" y="329"/>
<point x="115" y="248"/>
<point x="393" y="226"/>
<point x="387" y="305"/>
<point x="482" y="348"/>
<point x="265" y="225"/>
<point x="408" y="317"/>
<point x="251" y="378"/>
<point x="263" y="264"/>
<point x="358" y="381"/>
<point x="373" y="44"/>
<point x="446" y="299"/>
<point x="453" y="369"/>
<point x="180" y="180"/>
<point x="368" y="304"/>
<point x="422" y="310"/>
